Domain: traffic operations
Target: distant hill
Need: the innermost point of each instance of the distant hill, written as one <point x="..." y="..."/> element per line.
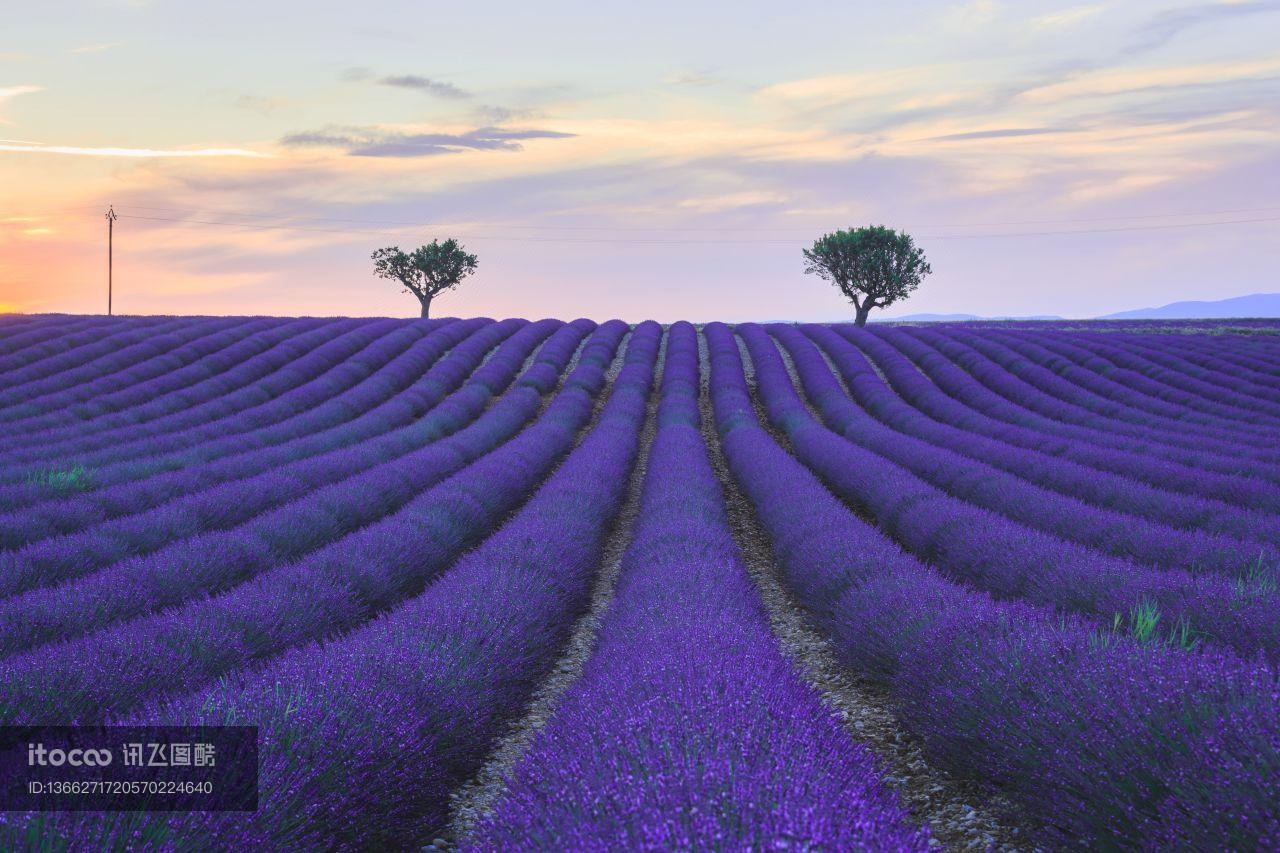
<point x="1256" y="305"/>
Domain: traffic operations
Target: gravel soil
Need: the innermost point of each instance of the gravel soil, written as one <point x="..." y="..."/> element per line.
<point x="959" y="813"/>
<point x="477" y="798"/>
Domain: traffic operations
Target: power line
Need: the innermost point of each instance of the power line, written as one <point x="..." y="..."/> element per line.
<point x="1106" y="230"/>
<point x="616" y="240"/>
<point x="523" y="226"/>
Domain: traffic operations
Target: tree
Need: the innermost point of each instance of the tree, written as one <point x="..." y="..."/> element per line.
<point x="427" y="270"/>
<point x="873" y="266"/>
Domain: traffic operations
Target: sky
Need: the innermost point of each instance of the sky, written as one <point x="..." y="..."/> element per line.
<point x="664" y="160"/>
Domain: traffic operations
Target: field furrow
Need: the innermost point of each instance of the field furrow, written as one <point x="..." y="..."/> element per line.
<point x="514" y="585"/>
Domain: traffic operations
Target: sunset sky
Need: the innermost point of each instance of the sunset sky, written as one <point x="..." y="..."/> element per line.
<point x="664" y="161"/>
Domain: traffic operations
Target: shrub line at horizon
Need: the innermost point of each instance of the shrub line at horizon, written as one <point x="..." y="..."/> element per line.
<point x="218" y="560"/>
<point x="1103" y="740"/>
<point x="1006" y="558"/>
<point x="946" y="467"/>
<point x="388" y="721"/>
<point x="688" y="728"/>
<point x="1207" y="474"/>
<point x="406" y="388"/>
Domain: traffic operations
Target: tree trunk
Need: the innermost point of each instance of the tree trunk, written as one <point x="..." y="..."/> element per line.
<point x="860" y="319"/>
<point x="426" y="305"/>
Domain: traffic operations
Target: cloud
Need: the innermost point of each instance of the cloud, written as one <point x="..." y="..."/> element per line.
<point x="1065" y="17"/>
<point x="999" y="133"/>
<point x="1169" y="24"/>
<point x="972" y="15"/>
<point x="318" y="139"/>
<point x="1114" y="81"/>
<point x="732" y="201"/>
<point x="41" y="148"/>
<point x="438" y="88"/>
<point x="373" y="143"/>
<point x="834" y="89"/>
<point x="355" y="74"/>
<point x="501" y="115"/>
<point x="259" y="104"/>
<point x="691" y="78"/>
<point x="94" y="48"/>
<point x="8" y="92"/>
<point x="14" y="91"/>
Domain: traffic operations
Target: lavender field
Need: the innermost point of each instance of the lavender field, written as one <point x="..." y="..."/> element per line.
<point x="564" y="585"/>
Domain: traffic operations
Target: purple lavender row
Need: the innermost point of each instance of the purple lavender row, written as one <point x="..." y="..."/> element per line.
<point x="285" y="345"/>
<point x="1126" y="412"/>
<point x="1208" y="475"/>
<point x="689" y="729"/>
<point x="86" y="343"/>
<point x="293" y="377"/>
<point x="1019" y="498"/>
<point x="288" y="364"/>
<point x="1029" y="385"/>
<point x="209" y="562"/>
<point x="45" y="336"/>
<point x="326" y="592"/>
<point x="1215" y="370"/>
<point x="1055" y="396"/>
<point x="1246" y="363"/>
<point x="1105" y="741"/>
<point x="1262" y="327"/>
<point x="1237" y="351"/>
<point x="229" y="504"/>
<point x="1170" y="377"/>
<point x="28" y="431"/>
<point x="1010" y="559"/>
<point x="1107" y="374"/>
<point x="24" y="338"/>
<point x="919" y="408"/>
<point x="120" y="347"/>
<point x="112" y="350"/>
<point x="993" y="392"/>
<point x="413" y="381"/>
<point x="362" y="740"/>
<point x="231" y="448"/>
<point x="199" y="359"/>
<point x="147" y="358"/>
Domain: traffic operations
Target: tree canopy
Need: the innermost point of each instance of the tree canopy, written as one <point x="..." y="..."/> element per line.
<point x="873" y="266"/>
<point x="427" y="270"/>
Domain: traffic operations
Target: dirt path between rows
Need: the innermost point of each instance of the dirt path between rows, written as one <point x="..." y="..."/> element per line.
<point x="959" y="814"/>
<point x="477" y="798"/>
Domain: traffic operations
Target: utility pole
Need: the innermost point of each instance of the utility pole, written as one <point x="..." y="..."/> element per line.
<point x="111" y="222"/>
